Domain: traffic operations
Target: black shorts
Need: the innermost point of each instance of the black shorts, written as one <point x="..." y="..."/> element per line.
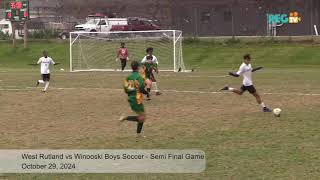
<point x="251" y="89"/>
<point x="45" y="77"/>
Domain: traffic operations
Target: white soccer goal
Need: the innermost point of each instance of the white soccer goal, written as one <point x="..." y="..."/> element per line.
<point x="96" y="51"/>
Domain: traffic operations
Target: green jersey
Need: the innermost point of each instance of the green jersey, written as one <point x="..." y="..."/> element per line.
<point x="132" y="85"/>
<point x="148" y="68"/>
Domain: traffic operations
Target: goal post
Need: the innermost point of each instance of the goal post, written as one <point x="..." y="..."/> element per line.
<point x="97" y="51"/>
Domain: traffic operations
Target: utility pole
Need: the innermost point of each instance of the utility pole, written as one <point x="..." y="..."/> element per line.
<point x="196" y="21"/>
<point x="14" y="41"/>
<point x="232" y="20"/>
<point x="25" y="28"/>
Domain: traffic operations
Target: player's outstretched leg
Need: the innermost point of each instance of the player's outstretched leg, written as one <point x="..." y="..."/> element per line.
<point x="259" y="100"/>
<point x="139" y="119"/>
<point x="46" y="86"/>
<point x="39" y="82"/>
<point x="154" y="84"/>
<point x="46" y="79"/>
<point x="236" y="91"/>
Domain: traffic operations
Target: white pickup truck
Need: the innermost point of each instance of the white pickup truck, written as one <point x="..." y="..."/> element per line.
<point x="101" y="24"/>
<point x="104" y="24"/>
<point x="6" y="28"/>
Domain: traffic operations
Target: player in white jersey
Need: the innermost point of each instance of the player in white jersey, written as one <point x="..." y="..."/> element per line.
<point x="246" y="70"/>
<point x="45" y="63"/>
<point x="149" y="52"/>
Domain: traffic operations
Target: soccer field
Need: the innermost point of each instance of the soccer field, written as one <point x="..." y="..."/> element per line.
<point x="81" y="111"/>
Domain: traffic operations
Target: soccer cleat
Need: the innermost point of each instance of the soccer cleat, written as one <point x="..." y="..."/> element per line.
<point x="225" y="88"/>
<point x="266" y="109"/>
<point x="37" y="83"/>
<point x="148" y="99"/>
<point x="122" y="118"/>
<point x="158" y="93"/>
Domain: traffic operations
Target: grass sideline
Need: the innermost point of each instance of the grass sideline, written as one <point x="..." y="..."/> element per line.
<point x="240" y="142"/>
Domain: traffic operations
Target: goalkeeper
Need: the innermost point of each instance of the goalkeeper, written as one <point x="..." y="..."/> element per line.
<point x="134" y="87"/>
<point x="123" y="55"/>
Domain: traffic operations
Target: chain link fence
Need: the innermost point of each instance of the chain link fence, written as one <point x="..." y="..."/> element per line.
<point x="246" y="17"/>
<point x="201" y="18"/>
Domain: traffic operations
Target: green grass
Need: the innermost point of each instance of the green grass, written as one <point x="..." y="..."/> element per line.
<point x="20" y="57"/>
<point x="197" y="54"/>
<point x="240" y="142"/>
<point x="206" y="55"/>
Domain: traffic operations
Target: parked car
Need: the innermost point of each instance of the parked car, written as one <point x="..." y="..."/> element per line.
<point x="136" y="24"/>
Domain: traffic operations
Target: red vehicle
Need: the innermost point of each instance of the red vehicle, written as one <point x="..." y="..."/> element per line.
<point x="136" y="24"/>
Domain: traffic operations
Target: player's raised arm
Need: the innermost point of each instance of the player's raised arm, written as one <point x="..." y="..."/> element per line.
<point x="240" y="71"/>
<point x="256" y="69"/>
<point x="234" y="74"/>
<point x="52" y="62"/>
<point x="35" y="64"/>
<point x="55" y="63"/>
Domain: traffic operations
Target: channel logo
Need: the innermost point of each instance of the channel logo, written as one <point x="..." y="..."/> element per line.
<point x="293" y="18"/>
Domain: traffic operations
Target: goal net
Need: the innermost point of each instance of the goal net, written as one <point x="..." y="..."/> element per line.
<point x="97" y="51"/>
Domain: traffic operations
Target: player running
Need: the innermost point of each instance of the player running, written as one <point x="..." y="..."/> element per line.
<point x="155" y="63"/>
<point x="123" y="55"/>
<point x="246" y="70"/>
<point x="146" y="72"/>
<point x="45" y="62"/>
<point x="134" y="87"/>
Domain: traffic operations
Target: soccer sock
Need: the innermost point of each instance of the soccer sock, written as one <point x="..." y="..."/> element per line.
<point x="263" y="105"/>
<point x="46" y="86"/>
<point x="40" y="81"/>
<point x="154" y="84"/>
<point x="139" y="127"/>
<point x="148" y="90"/>
<point x="132" y="118"/>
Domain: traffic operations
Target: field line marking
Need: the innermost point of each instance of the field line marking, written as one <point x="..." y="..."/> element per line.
<point x="167" y="90"/>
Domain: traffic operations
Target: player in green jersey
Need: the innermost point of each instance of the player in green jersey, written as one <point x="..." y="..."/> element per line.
<point x="134" y="88"/>
<point x="147" y="73"/>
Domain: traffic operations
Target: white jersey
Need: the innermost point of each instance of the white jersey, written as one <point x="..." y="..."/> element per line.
<point x="45" y="64"/>
<point x="246" y="71"/>
<point x="154" y="59"/>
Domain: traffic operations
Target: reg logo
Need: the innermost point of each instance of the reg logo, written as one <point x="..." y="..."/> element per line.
<point x="293" y="18"/>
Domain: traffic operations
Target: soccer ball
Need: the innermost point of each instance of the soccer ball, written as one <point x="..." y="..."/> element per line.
<point x="277" y="112"/>
<point x="61" y="69"/>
